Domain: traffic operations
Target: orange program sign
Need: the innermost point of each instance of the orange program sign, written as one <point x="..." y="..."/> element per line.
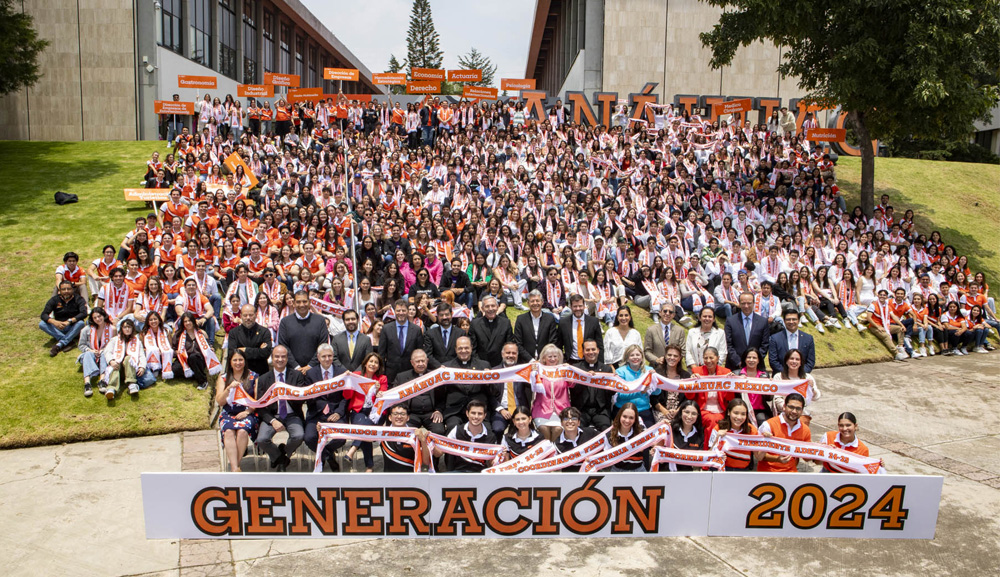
<point x="185" y="81"/>
<point x="517" y="83"/>
<point x="465" y="75"/>
<point x="234" y="160"/>
<point x="428" y="74"/>
<point x="147" y="194"/>
<point x="423" y="87"/>
<point x="291" y="80"/>
<point x="389" y="78"/>
<point x="734" y="106"/>
<point x="255" y="90"/>
<point x="173" y="107"/>
<point x="300" y="94"/>
<point x="348" y="74"/>
<point x="479" y="92"/>
<point x="826" y="134"/>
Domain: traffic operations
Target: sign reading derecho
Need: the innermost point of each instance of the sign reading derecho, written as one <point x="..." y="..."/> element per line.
<point x="274" y="506"/>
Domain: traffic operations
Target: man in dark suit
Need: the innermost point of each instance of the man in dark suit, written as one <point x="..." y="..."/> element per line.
<point x="489" y="333"/>
<point x="253" y="340"/>
<point x="425" y="410"/>
<point x="398" y="341"/>
<point x="439" y="341"/>
<point x="595" y="404"/>
<point x="534" y="330"/>
<point x="575" y="329"/>
<point x="745" y="330"/>
<point x="330" y="408"/>
<point x="351" y="346"/>
<point x="281" y="415"/>
<point x="510" y="394"/>
<point x="457" y="397"/>
<point x="788" y="339"/>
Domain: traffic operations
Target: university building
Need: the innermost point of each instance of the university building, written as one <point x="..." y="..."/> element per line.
<point x="109" y="60"/>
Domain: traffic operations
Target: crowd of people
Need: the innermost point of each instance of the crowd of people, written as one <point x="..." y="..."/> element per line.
<point x="731" y="235"/>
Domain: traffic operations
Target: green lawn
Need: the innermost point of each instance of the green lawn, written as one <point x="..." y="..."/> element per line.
<point x="43" y="400"/>
<point x="43" y="397"/>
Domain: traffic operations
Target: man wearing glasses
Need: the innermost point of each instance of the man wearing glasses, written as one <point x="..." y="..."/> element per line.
<point x="787" y="425"/>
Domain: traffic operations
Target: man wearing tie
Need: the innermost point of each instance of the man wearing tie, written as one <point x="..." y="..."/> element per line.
<point x="791" y="338"/>
<point x="330" y="408"/>
<point x="658" y="336"/>
<point x="534" y="330"/>
<point x="510" y="394"/>
<point x="425" y="410"/>
<point x="744" y="331"/>
<point x="350" y="346"/>
<point x="399" y="340"/>
<point x="439" y="341"/>
<point x="281" y="415"/>
<point x="577" y="328"/>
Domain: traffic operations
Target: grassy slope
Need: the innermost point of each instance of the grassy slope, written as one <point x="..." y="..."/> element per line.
<point x="43" y="398"/>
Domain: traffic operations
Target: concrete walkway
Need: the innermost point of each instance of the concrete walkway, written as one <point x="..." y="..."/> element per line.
<point x="77" y="509"/>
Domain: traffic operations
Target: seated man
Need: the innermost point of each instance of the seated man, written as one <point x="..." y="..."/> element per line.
<point x="71" y="272"/>
<point x="457" y="397"/>
<point x="330" y="408"/>
<point x="63" y="317"/>
<point x="595" y="405"/>
<point x="511" y="394"/>
<point x="424" y="410"/>
<point x="398" y="457"/>
<point x="193" y="301"/>
<point x="475" y="431"/>
<point x="280" y="415"/>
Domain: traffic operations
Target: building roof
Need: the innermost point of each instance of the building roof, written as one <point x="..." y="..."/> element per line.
<point x="540" y="41"/>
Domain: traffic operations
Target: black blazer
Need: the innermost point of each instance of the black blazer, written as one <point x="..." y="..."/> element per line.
<point x="590" y="400"/>
<point x="522" y="393"/>
<point x="341" y="352"/>
<point x="264" y="382"/>
<point x="736" y="342"/>
<point x="489" y="338"/>
<point x="396" y="360"/>
<point x="321" y="408"/>
<point x="424" y="403"/>
<point x="438" y="351"/>
<point x="528" y="347"/>
<point x="591" y="330"/>
<point x="456" y="397"/>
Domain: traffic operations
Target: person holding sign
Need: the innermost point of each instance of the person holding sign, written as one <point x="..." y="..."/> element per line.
<point x="845" y="438"/>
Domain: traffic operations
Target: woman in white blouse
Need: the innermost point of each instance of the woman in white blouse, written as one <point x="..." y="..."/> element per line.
<point x="702" y="337"/>
<point x="620" y="336"/>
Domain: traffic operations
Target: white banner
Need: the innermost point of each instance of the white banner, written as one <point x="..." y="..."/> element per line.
<point x="303" y="505"/>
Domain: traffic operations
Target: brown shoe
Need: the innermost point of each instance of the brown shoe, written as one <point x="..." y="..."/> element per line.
<point x="54" y="350"/>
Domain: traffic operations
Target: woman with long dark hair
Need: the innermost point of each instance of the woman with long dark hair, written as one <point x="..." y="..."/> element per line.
<point x="237" y="422"/>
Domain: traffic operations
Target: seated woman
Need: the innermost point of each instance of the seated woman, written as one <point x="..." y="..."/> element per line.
<point x="360" y="405"/>
<point x="793" y="372"/>
<point x="237" y="423"/>
<point x="625" y="426"/>
<point x="194" y="358"/>
<point x="495" y="289"/>
<point x="712" y="403"/>
<point x="845" y="438"/>
<point x="551" y="397"/>
<point x="635" y="367"/>
<point x="93" y="339"/>
<point x="687" y="431"/>
<point x="753" y="368"/>
<point x="125" y="361"/>
<point x="736" y="421"/>
<point x="573" y="434"/>
<point x="521" y="433"/>
<point x="665" y="402"/>
<point x="156" y="341"/>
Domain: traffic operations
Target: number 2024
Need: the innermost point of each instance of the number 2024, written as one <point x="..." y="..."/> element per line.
<point x="852" y="498"/>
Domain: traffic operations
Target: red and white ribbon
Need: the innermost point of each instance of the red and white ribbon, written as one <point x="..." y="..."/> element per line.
<point x="567" y="459"/>
<point x="286" y="392"/>
<point x="464" y="449"/>
<point x="660" y="432"/>
<point x="732" y="383"/>
<point x="838" y="459"/>
<point x="540" y="451"/>
<point x="372" y="433"/>
<point x="714" y="459"/>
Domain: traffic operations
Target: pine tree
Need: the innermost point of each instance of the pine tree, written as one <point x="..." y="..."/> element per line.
<point x="394" y="67"/>
<point x="475" y="60"/>
<point x="19" y="48"/>
<point x="422" y="41"/>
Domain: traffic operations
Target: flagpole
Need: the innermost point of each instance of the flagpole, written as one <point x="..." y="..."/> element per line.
<point x="347" y="191"/>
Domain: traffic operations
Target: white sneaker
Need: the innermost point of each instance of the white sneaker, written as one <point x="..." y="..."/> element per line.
<point x="923" y="350"/>
<point x="901" y="356"/>
<point x="861" y="328"/>
<point x="133" y="389"/>
<point x="837" y="324"/>
<point x="819" y="327"/>
<point x="964" y="351"/>
<point x="931" y="351"/>
<point x="980" y="350"/>
<point x="101" y="387"/>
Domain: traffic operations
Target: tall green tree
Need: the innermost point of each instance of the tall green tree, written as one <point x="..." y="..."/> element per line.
<point x="475" y="60"/>
<point x="394" y="67"/>
<point x="19" y="49"/>
<point x="423" y="48"/>
<point x="898" y="67"/>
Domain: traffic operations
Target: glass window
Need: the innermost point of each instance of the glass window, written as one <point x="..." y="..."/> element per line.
<point x="313" y="78"/>
<point x="200" y="37"/>
<point x="299" y="51"/>
<point x="170" y="25"/>
<point x="286" y="49"/>
<point x="268" y="33"/>
<point x="249" y="43"/>
<point x="227" y="39"/>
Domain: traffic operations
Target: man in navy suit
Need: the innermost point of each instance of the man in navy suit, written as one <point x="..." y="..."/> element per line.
<point x="788" y="339"/>
<point x="398" y="341"/>
<point x="330" y="408"/>
<point x="439" y="341"/>
<point x="744" y="331"/>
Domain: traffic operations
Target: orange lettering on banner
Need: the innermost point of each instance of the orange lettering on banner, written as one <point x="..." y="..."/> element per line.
<point x="389" y="78"/>
<point x="147" y="194"/>
<point x="429" y="87"/>
<point x="459" y="507"/>
<point x="479" y="92"/>
<point x="627" y="505"/>
<point x="713" y="104"/>
<point x="769" y="105"/>
<point x="599" y="503"/>
<point x="404" y="513"/>
<point x="580" y="109"/>
<point x="291" y="80"/>
<point x="359" y="520"/>
<point x="234" y="160"/>
<point x="303" y="504"/>
<point x="348" y="74"/>
<point x="826" y="134"/>
<point x="260" y="511"/>
<point x="546" y="499"/>
<point x="255" y="90"/>
<point x="427" y="74"/>
<point x="185" y="81"/>
<point x="686" y="102"/>
<point x="465" y="75"/>
<point x="173" y="107"/>
<point x="734" y="106"/>
<point x="517" y="84"/>
<point x="491" y="511"/>
<point x="534" y="102"/>
<point x="605" y="102"/>
<point x="300" y="94"/>
<point x="226" y="520"/>
<point x="641" y="99"/>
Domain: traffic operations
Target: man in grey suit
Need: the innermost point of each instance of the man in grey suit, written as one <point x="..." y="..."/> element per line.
<point x="658" y="336"/>
<point x="744" y="331"/>
<point x="351" y="345"/>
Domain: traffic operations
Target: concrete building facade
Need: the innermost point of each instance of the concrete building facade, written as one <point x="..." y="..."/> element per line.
<point x="109" y="60"/>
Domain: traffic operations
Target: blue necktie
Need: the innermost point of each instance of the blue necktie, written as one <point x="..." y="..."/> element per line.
<point x="282" y="405"/>
<point x="746" y="329"/>
<point x="444" y="333"/>
<point x="402" y="339"/>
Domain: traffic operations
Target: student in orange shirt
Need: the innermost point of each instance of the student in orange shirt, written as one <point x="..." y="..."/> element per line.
<point x="844" y="438"/>
<point x="787" y="425"/>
